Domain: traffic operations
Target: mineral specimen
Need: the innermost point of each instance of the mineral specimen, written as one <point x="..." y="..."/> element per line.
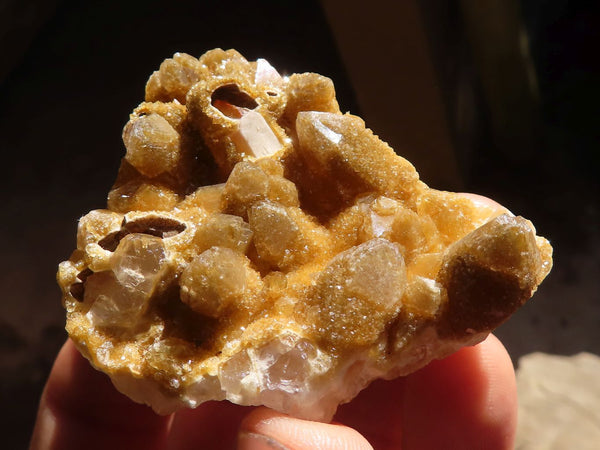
<point x="262" y="247"/>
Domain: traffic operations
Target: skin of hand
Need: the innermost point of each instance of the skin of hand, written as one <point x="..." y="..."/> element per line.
<point x="465" y="401"/>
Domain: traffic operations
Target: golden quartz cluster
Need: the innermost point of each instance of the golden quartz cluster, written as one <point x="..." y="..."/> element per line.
<point x="262" y="247"/>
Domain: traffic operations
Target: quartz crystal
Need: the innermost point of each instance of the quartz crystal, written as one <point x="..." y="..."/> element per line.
<point x="262" y="247"/>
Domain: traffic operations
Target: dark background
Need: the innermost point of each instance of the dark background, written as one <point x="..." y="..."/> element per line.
<point x="70" y="73"/>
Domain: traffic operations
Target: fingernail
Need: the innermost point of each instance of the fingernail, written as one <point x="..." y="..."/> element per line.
<point x="254" y="441"/>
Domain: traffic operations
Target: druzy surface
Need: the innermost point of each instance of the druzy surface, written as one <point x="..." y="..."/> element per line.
<point x="262" y="247"/>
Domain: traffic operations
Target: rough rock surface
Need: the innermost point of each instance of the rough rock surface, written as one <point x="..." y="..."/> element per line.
<point x="262" y="247"/>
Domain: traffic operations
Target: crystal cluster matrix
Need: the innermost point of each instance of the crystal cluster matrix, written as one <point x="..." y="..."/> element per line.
<point x="262" y="247"/>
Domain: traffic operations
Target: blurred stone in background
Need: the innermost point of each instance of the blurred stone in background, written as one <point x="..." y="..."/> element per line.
<point x="563" y="392"/>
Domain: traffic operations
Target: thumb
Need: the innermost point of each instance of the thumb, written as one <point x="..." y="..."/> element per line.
<point x="265" y="429"/>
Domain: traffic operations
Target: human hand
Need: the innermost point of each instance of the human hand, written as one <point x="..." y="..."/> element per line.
<point x="467" y="400"/>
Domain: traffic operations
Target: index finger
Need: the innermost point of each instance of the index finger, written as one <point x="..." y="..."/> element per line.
<point x="80" y="408"/>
